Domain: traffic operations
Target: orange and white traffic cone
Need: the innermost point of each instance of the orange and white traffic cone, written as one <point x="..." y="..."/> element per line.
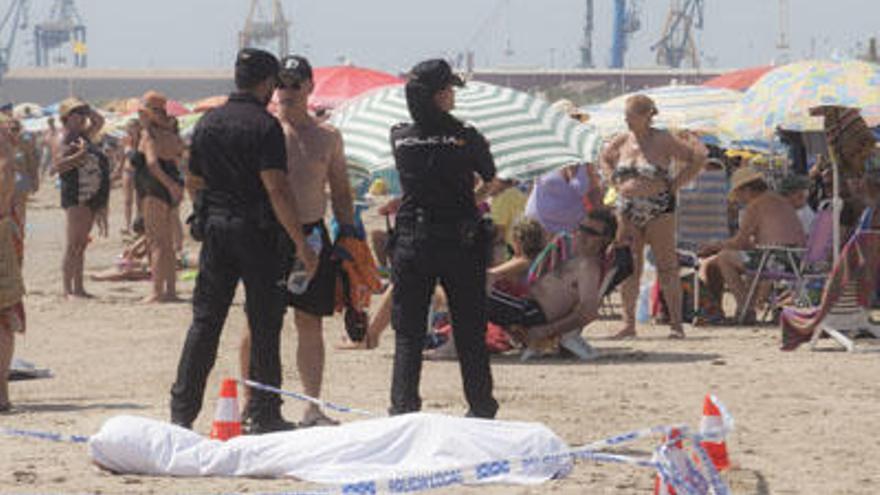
<point x="661" y="488"/>
<point x="227" y="419"/>
<point x="712" y="421"/>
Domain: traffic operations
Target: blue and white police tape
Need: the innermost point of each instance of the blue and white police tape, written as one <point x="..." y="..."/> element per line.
<point x="303" y="397"/>
<point x="683" y="475"/>
<point x="552" y="465"/>
<point x="44" y="435"/>
<point x="679" y="470"/>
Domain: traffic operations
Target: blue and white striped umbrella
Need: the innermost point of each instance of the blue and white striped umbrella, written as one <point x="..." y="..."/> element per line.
<point x="696" y="108"/>
<point x="527" y="136"/>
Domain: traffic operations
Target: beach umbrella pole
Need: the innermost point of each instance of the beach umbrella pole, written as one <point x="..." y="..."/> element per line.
<point x="836" y="204"/>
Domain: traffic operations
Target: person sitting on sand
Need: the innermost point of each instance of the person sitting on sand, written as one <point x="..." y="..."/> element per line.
<point x="768" y="220"/>
<point x="511" y="277"/>
<point x="529" y="239"/>
<point x="133" y="264"/>
<point x="565" y="299"/>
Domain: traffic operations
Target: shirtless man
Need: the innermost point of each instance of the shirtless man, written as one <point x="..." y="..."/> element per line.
<point x="562" y="302"/>
<point x="315" y="159"/>
<point x="768" y="220"/>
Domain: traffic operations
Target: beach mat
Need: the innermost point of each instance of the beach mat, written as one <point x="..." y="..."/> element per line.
<point x="24" y="370"/>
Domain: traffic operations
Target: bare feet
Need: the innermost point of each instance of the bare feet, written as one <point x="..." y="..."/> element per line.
<point x="79" y="295"/>
<point x="317" y="418"/>
<point x="676" y="333"/>
<point x="151" y="299"/>
<point x="626" y="333"/>
<point x="165" y="298"/>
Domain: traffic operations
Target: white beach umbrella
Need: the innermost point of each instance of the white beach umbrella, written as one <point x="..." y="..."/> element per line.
<point x="527" y="136"/>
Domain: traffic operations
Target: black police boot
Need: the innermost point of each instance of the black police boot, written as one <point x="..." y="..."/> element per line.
<point x="266" y="423"/>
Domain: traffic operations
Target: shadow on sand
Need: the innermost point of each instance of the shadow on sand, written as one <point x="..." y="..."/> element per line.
<point x="611" y="356"/>
<point x="51" y="407"/>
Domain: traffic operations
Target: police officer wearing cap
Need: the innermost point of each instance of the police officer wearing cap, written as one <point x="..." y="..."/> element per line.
<point x="439" y="237"/>
<point x="242" y="216"/>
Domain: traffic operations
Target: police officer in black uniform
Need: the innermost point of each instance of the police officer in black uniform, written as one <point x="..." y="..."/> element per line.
<point x="242" y="213"/>
<point x="439" y="236"/>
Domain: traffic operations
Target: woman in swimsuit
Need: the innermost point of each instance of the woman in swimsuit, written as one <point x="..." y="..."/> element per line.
<point x="159" y="188"/>
<point x="130" y="147"/>
<point x="638" y="164"/>
<point x="85" y="186"/>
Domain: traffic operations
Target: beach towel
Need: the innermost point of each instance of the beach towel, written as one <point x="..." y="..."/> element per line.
<point x="359" y="274"/>
<point x="24" y="370"/>
<point x="373" y="449"/>
<point x="858" y="264"/>
<point x="559" y="250"/>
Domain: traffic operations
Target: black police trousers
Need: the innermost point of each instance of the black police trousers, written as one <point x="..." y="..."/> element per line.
<point x="461" y="271"/>
<point x="234" y="249"/>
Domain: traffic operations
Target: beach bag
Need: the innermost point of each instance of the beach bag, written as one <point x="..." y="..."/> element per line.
<point x="11" y="282"/>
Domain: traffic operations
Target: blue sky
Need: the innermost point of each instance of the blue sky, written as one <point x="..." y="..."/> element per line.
<point x="393" y="34"/>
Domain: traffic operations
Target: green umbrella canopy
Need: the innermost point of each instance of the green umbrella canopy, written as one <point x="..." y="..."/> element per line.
<point x="527" y="136"/>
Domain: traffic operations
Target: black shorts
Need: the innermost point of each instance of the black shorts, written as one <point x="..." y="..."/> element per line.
<point x="504" y="309"/>
<point x="319" y="299"/>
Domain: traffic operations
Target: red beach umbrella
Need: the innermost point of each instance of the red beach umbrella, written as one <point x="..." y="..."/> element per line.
<point x="338" y="84"/>
<point x="739" y="80"/>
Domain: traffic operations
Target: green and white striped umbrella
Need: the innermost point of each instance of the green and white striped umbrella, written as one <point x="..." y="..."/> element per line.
<point x="527" y="136"/>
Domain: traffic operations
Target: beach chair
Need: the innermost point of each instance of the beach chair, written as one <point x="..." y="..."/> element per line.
<point x="701" y="218"/>
<point x="847" y="319"/>
<point x="802" y="264"/>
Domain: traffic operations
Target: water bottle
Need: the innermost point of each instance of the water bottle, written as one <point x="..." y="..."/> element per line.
<point x="643" y="306"/>
<point x="298" y="281"/>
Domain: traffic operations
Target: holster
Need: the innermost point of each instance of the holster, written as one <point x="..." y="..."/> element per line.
<point x="198" y="218"/>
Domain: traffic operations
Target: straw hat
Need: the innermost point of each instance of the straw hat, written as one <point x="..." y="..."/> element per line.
<point x="743" y="176"/>
<point x="69" y="105"/>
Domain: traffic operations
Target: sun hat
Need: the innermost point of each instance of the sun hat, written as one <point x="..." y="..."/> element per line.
<point x="69" y="105"/>
<point x="743" y="176"/>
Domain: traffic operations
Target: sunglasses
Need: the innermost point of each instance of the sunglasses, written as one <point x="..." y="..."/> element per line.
<point x="81" y="111"/>
<point x="591" y="231"/>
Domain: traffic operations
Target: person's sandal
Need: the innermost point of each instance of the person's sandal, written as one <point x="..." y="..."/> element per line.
<point x="676" y="334"/>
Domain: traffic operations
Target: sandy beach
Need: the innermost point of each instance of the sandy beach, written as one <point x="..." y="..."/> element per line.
<point x="805" y="421"/>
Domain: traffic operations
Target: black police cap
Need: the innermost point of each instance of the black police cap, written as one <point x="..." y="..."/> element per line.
<point x="436" y="74"/>
<point x="256" y="64"/>
<point x="295" y="70"/>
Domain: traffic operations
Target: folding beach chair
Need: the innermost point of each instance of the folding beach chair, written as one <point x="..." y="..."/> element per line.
<point x="701" y="218"/>
<point x="801" y="264"/>
<point x="847" y="319"/>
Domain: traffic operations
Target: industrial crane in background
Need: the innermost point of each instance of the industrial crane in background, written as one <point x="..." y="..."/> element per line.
<point x="675" y="46"/>
<point x="260" y="29"/>
<point x="678" y="44"/>
<point x="64" y="30"/>
<point x="626" y="22"/>
<point x="14" y="20"/>
<point x="587" y="45"/>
